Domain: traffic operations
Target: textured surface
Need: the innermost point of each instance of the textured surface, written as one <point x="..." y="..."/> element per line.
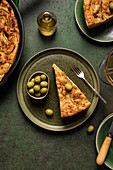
<point x="24" y="145"/>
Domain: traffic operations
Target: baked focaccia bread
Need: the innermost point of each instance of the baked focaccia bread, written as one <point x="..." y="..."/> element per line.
<point x="97" y="12"/>
<point x="9" y="37"/>
<point x="72" y="101"/>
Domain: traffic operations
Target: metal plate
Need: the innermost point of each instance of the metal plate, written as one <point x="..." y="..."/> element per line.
<point x="102" y="132"/>
<point x="103" y="33"/>
<point x="43" y="61"/>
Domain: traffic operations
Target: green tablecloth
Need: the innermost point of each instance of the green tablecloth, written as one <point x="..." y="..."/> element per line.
<point x="24" y="145"/>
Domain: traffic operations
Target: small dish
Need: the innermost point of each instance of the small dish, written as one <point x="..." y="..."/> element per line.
<point x="38" y="85"/>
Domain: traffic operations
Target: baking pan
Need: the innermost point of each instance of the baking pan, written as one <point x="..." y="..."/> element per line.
<point x="21" y="44"/>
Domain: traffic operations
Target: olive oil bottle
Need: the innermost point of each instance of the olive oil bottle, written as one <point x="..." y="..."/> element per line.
<point x="47" y="23"/>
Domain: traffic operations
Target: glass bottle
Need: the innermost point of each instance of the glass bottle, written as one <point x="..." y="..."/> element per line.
<point x="47" y="23"/>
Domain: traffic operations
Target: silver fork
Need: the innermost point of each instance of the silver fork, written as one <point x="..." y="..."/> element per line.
<point x="80" y="74"/>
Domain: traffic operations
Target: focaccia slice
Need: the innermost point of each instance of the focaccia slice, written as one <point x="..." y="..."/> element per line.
<point x="97" y="12"/>
<point x="71" y="102"/>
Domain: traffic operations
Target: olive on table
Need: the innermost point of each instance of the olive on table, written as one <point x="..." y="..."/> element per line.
<point x="111" y="6"/>
<point x="43" y="77"/>
<point x="90" y="128"/>
<point x="49" y="112"/>
<point x="68" y="87"/>
<point x="30" y="84"/>
<point x="44" y="83"/>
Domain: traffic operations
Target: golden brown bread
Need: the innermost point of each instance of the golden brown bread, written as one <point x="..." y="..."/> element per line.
<point x="9" y="37"/>
<point x="97" y="12"/>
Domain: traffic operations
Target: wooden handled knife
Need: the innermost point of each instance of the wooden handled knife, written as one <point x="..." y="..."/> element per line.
<point x="105" y="147"/>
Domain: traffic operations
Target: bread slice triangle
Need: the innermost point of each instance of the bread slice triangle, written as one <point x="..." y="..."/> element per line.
<point x="97" y="12"/>
<point x="71" y="102"/>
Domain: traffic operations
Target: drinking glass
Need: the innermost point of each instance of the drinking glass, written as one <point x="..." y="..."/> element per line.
<point x="106" y="69"/>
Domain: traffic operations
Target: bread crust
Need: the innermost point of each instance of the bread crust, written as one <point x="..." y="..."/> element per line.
<point x="71" y="102"/>
<point x="9" y="38"/>
<point x="97" y="12"/>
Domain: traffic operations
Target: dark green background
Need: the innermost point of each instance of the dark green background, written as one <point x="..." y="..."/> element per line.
<point x="24" y="145"/>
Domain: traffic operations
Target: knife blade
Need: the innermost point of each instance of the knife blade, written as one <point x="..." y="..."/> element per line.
<point x="105" y="146"/>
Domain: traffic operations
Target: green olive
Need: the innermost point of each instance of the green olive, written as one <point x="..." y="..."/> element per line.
<point x="37" y="79"/>
<point x="43" y="90"/>
<point x="31" y="91"/>
<point x="30" y="84"/>
<point x="36" y="88"/>
<point x="68" y="87"/>
<point x="49" y="112"/>
<point x="90" y="129"/>
<point x="44" y="84"/>
<point x="33" y="79"/>
<point x="43" y="77"/>
<point x="38" y="94"/>
<point x="111" y="6"/>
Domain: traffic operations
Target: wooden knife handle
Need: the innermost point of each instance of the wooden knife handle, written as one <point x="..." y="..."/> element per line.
<point x="103" y="151"/>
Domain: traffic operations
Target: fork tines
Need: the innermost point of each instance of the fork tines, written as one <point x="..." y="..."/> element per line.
<point x="76" y="70"/>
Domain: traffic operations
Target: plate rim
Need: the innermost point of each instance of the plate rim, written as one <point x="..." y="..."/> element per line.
<point x="100" y="126"/>
<point x="94" y="39"/>
<point x="52" y="127"/>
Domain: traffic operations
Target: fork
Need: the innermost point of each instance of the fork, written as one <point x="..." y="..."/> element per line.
<point x="80" y="74"/>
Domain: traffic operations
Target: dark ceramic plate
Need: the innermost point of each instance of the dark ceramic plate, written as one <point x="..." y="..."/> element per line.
<point x="102" y="132"/>
<point x="43" y="61"/>
<point x="103" y="33"/>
